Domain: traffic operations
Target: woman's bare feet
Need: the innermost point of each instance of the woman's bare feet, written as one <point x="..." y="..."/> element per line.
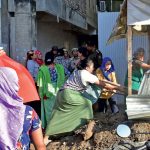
<point x="46" y="140"/>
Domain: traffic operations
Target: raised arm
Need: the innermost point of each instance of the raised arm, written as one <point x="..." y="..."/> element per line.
<point x="37" y="138"/>
<point x="36" y="132"/>
<point x="145" y="66"/>
<point x="110" y="85"/>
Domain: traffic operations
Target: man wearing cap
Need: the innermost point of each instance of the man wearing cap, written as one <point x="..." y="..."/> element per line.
<point x="53" y="52"/>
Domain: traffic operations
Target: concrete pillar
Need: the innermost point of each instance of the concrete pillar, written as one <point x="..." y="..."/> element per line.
<point x="23" y="29"/>
<point x="4" y="36"/>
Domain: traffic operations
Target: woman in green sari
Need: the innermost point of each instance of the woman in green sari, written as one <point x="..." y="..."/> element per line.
<point x="72" y="109"/>
<point x="50" y="78"/>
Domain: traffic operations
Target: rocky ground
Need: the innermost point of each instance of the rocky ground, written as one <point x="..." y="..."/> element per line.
<point x="104" y="135"/>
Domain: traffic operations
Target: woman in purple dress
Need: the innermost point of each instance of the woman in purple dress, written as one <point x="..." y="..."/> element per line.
<point x="19" y="122"/>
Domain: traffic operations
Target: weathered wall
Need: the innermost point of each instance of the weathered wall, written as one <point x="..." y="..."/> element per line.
<point x="53" y="33"/>
<point x="4" y="25"/>
<point x="22" y="29"/>
<point x="77" y="12"/>
<point x="63" y="9"/>
<point x="91" y="13"/>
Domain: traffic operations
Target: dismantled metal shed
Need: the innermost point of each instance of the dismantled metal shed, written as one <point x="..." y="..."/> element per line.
<point x="134" y="18"/>
<point x="145" y="85"/>
<point x="138" y="106"/>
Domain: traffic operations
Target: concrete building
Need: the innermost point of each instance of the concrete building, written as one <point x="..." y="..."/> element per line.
<point x="40" y="24"/>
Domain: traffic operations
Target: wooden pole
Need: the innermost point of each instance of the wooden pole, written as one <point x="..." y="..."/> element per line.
<point x="129" y="38"/>
<point x="149" y="45"/>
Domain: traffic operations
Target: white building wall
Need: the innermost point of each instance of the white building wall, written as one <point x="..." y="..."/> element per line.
<point x="51" y="33"/>
<point x="117" y="51"/>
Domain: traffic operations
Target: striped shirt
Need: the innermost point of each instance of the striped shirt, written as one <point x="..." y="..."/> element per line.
<point x="79" y="80"/>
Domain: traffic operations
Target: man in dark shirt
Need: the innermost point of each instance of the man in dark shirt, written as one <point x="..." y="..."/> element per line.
<point x="97" y="57"/>
<point x="53" y="52"/>
<point x="94" y="54"/>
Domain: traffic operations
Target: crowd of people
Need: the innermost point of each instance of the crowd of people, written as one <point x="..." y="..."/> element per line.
<point x="70" y="90"/>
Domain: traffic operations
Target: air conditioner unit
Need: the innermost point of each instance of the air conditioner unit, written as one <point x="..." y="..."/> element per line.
<point x="102" y="6"/>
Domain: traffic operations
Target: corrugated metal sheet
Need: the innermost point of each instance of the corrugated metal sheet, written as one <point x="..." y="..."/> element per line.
<point x="138" y="106"/>
<point x="118" y="49"/>
<point x="145" y="85"/>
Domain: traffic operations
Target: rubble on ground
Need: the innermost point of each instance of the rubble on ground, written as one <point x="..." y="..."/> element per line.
<point x="104" y="136"/>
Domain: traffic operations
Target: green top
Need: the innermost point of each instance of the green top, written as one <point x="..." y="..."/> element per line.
<point x="137" y="76"/>
<point x="44" y="80"/>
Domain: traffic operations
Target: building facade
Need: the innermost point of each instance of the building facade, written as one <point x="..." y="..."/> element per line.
<point x="40" y="24"/>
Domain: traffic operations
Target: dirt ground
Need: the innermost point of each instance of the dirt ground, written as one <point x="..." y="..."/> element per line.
<point x="105" y="136"/>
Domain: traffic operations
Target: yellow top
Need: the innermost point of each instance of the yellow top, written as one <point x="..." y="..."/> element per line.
<point x="112" y="76"/>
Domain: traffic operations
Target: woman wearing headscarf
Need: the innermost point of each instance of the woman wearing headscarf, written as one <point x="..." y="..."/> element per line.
<point x="38" y="57"/>
<point x="18" y="122"/>
<point x="51" y="77"/>
<point x="107" y="72"/>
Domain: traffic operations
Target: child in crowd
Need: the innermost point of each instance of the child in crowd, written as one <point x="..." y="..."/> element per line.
<point x="107" y="72"/>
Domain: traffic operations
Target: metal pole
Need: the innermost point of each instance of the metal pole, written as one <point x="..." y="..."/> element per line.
<point x="129" y="38"/>
<point x="111" y="5"/>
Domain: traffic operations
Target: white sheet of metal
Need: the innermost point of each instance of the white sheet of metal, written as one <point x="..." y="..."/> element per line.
<point x="138" y="106"/>
<point x="117" y="51"/>
<point x="145" y="85"/>
<point x="138" y="12"/>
